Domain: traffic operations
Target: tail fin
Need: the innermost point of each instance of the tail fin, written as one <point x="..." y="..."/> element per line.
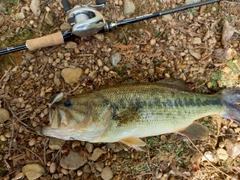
<point x="231" y="103"/>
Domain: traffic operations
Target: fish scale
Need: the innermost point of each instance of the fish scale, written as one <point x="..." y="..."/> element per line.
<point x="127" y="112"/>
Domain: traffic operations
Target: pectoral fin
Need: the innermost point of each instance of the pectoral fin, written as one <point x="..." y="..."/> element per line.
<point x="195" y="131"/>
<point x="133" y="142"/>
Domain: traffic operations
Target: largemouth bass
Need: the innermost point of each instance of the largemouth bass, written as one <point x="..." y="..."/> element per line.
<point x="128" y="112"/>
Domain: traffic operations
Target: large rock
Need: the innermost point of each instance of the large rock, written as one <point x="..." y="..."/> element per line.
<point x="128" y="8"/>
<point x="33" y="171"/>
<point x="71" y="75"/>
<point x="72" y="161"/>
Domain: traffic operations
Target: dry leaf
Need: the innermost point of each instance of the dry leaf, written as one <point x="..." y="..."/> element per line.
<point x="233" y="149"/>
<point x="195" y="54"/>
<point x="35" y="7"/>
<point x="224" y="54"/>
<point x="227" y="33"/>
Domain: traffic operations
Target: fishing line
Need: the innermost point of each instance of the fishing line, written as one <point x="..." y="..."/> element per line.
<point x="217" y="169"/>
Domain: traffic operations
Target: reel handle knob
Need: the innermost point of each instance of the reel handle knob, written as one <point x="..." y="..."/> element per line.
<point x="99" y="2"/>
<point x="66" y="5"/>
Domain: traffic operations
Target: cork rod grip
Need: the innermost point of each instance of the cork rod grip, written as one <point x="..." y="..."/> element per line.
<point x="45" y="41"/>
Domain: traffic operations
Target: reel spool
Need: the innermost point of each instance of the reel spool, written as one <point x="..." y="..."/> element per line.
<point x="86" y="20"/>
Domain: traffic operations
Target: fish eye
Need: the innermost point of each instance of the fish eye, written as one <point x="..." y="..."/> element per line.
<point x="68" y="103"/>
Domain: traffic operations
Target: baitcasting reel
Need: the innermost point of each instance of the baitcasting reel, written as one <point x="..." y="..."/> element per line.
<point x="86" y="20"/>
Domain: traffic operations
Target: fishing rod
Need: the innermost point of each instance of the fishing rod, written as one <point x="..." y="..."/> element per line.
<point x="86" y="20"/>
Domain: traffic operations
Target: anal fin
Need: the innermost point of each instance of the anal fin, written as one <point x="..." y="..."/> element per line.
<point x="133" y="142"/>
<point x="195" y="131"/>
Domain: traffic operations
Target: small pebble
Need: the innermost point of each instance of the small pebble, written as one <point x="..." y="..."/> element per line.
<point x="97" y="152"/>
<point x="220" y="84"/>
<point x="86" y="169"/>
<point x="100" y="37"/>
<point x="71" y="45"/>
<point x="222" y="154"/>
<point x="3" y="138"/>
<point x="196" y="41"/>
<point x="221" y="144"/>
<point x="53" y="167"/>
<point x="65" y="26"/>
<point x="89" y="147"/>
<point x="115" y="58"/>
<point x="32" y="142"/>
<point x="99" y="166"/>
<point x="51" y="76"/>
<point x="92" y="74"/>
<point x="209" y="84"/>
<point x="55" y="144"/>
<point x="64" y="171"/>
<point x="20" y="16"/>
<point x="8" y="134"/>
<point x="75" y="144"/>
<point x="50" y="60"/>
<point x="105" y="68"/>
<point x="99" y="63"/>
<point x="4" y="115"/>
<point x="19" y="175"/>
<point x="208" y="155"/>
<point x="79" y="173"/>
<point x="107" y="173"/>
<point x="60" y="55"/>
<point x="187" y="2"/>
<point x="153" y="42"/>
<point x="167" y="17"/>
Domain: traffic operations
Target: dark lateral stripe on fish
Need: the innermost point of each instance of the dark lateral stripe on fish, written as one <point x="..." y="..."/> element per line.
<point x="178" y="102"/>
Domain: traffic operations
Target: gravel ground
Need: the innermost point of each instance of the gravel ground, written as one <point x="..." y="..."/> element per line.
<point x="200" y="46"/>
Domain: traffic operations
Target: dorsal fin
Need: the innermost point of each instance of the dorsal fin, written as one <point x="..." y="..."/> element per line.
<point x="175" y="83"/>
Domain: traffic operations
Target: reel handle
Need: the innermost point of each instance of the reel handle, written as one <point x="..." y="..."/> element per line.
<point x="99" y="2"/>
<point x="66" y="5"/>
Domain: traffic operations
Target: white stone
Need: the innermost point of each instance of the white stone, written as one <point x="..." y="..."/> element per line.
<point x="128" y="7"/>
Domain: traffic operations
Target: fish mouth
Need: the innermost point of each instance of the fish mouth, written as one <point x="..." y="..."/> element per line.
<point x="58" y="126"/>
<point x="58" y="117"/>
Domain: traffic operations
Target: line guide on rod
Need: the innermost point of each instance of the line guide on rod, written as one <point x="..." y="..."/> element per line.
<point x="86" y="20"/>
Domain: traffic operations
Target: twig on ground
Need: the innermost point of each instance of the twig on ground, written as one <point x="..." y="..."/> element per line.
<point x="6" y="72"/>
<point x="32" y="152"/>
<point x="21" y="121"/>
<point x="44" y="151"/>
